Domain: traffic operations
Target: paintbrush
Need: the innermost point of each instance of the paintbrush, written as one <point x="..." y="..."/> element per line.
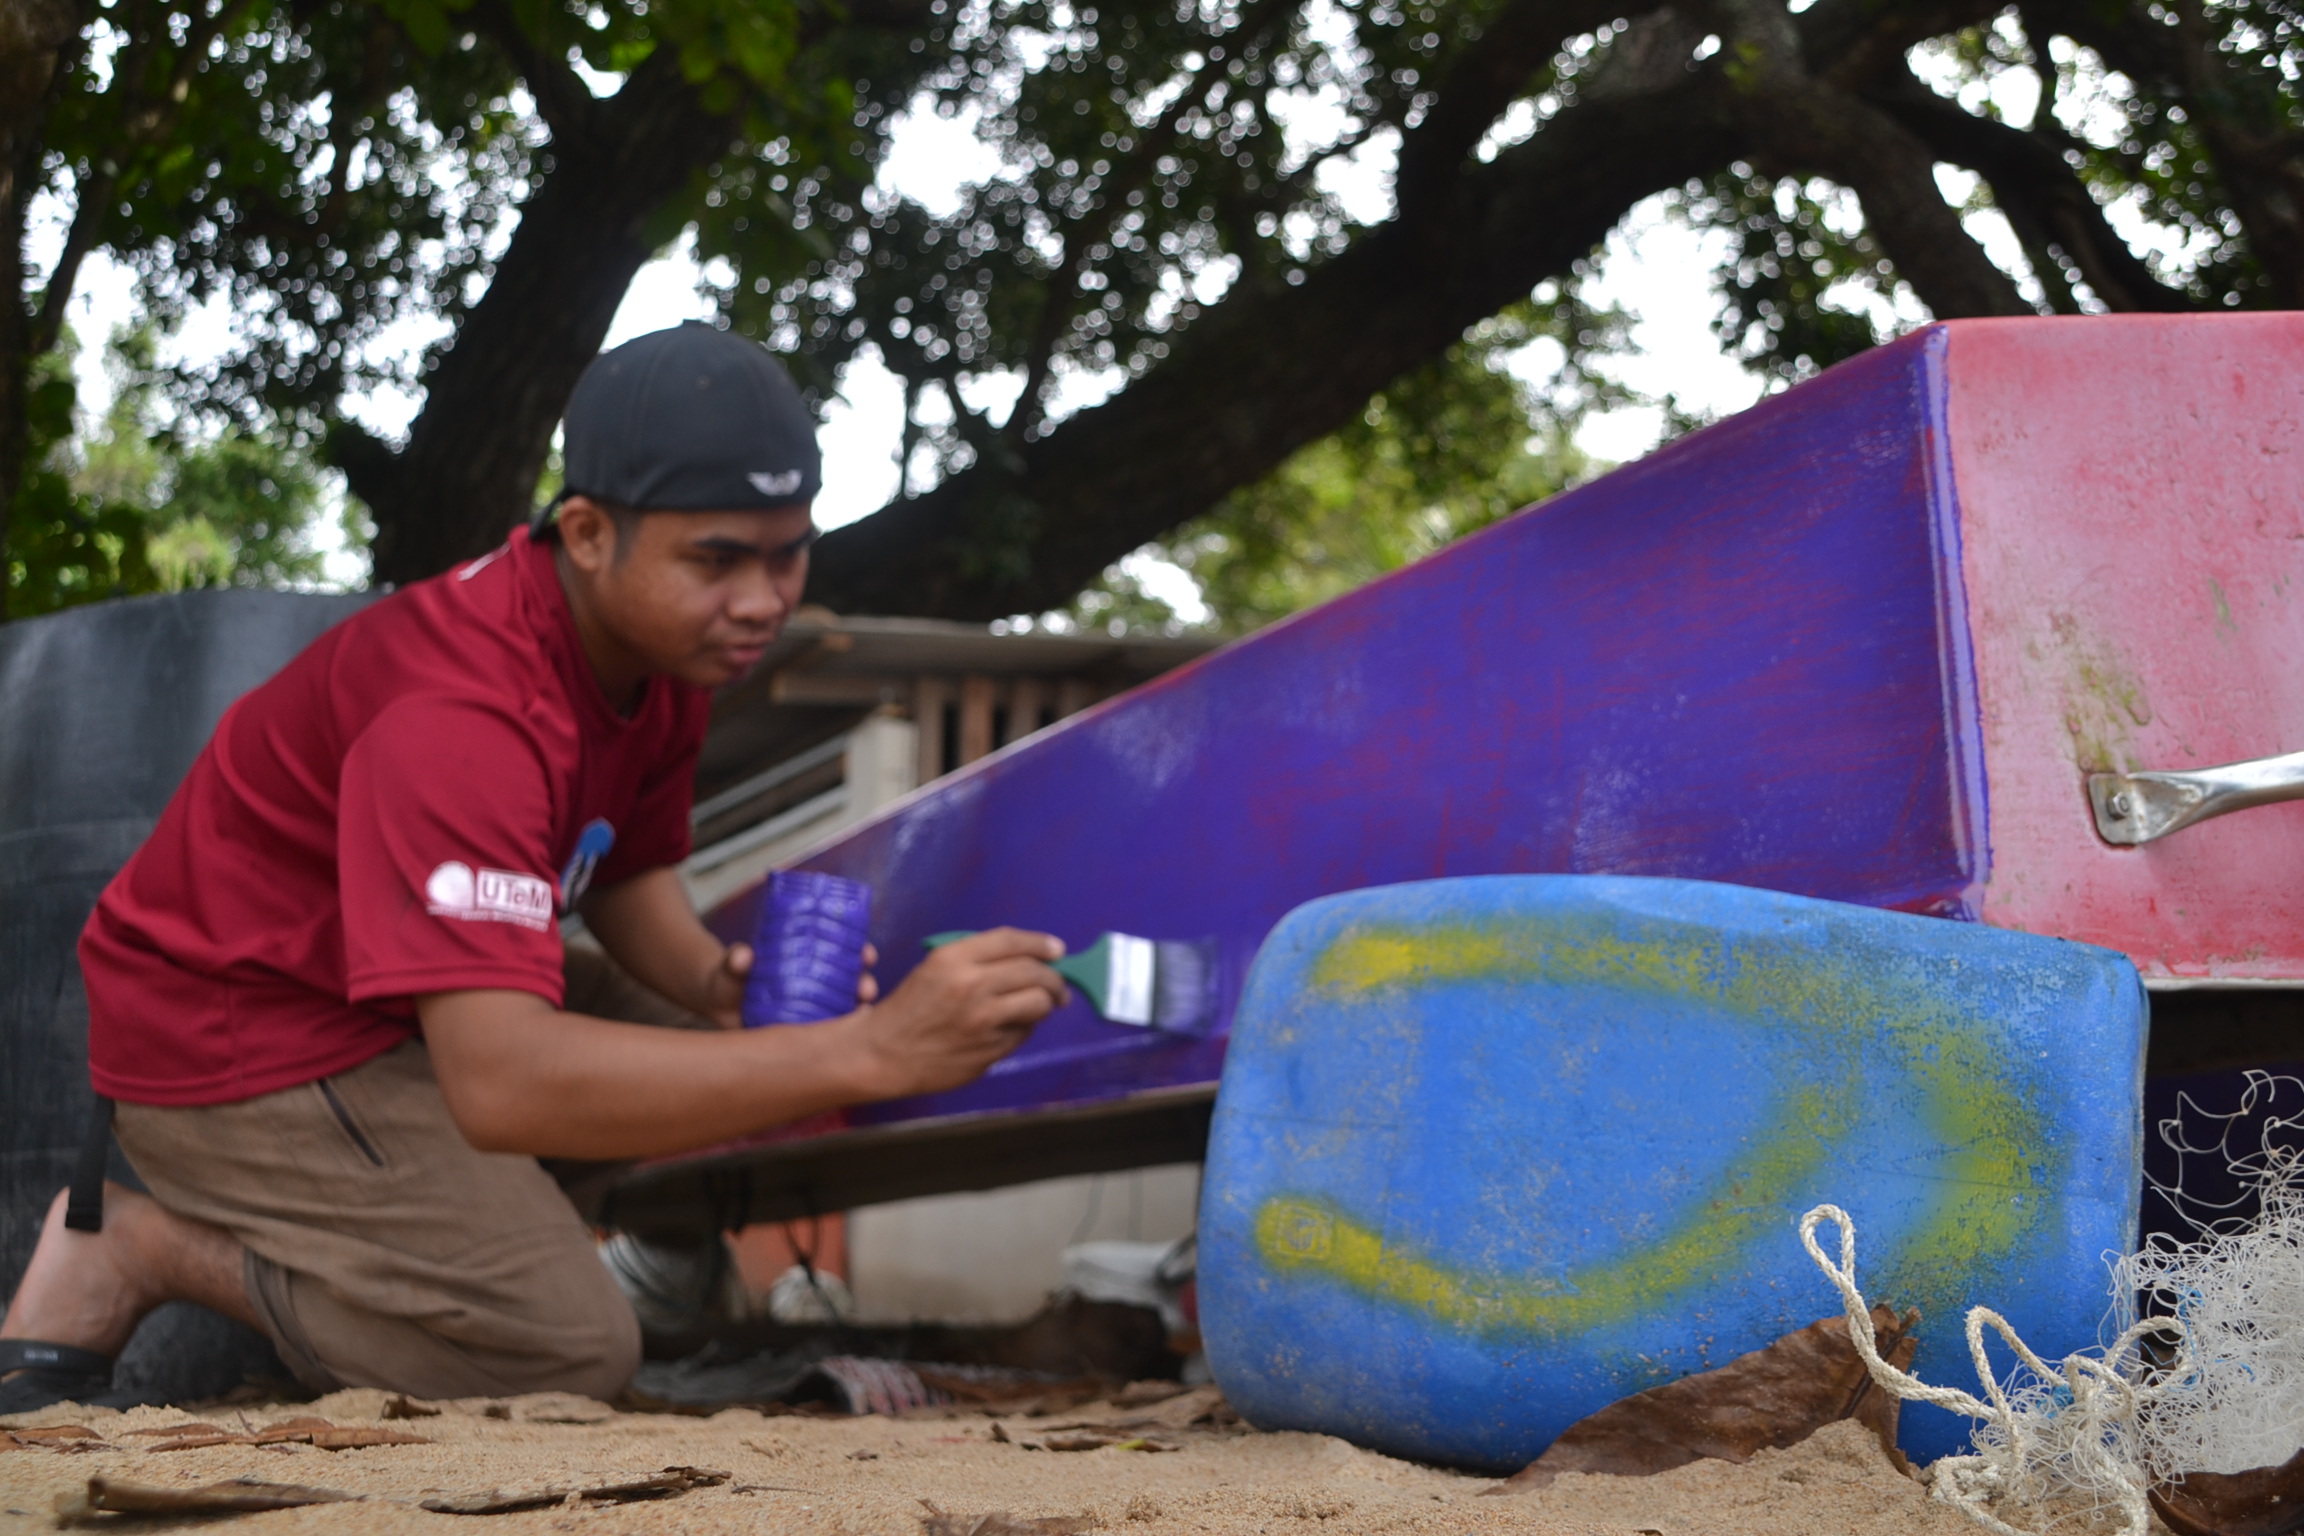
<point x="1164" y="984"/>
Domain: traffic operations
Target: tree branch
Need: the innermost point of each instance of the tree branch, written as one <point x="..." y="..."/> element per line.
<point x="494" y="396"/>
<point x="1483" y="81"/>
<point x="1268" y="371"/>
<point x="2243" y="123"/>
<point x="1063" y="286"/>
<point x="32" y="35"/>
<point x="1802" y="121"/>
<point x="1275" y="367"/>
<point x="1848" y="43"/>
<point x="146" y="118"/>
<point x="37" y="39"/>
<point x="562" y="100"/>
<point x="2040" y="192"/>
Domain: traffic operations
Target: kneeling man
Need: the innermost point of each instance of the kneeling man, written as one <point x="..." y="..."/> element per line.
<point x="326" y="995"/>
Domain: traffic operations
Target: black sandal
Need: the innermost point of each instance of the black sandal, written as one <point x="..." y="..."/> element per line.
<point x="46" y="1374"/>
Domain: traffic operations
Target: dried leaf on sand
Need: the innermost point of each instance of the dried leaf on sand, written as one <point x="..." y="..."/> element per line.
<point x="1012" y="1392"/>
<point x="560" y="1408"/>
<point x="2262" y="1501"/>
<point x="1766" y="1400"/>
<point x="505" y="1501"/>
<point x="239" y="1496"/>
<point x="1096" y="1440"/>
<point x="939" y="1522"/>
<point x="297" y="1431"/>
<point x="1142" y="1394"/>
<point x="1198" y="1405"/>
<point x="354" y="1437"/>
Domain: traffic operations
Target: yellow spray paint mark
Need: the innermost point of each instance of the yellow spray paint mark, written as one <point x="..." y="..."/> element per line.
<point x="1294" y="1232"/>
<point x="1988" y="1184"/>
<point x="1373" y="957"/>
<point x="2104" y="698"/>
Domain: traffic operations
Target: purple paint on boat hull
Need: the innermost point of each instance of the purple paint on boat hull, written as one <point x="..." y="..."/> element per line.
<point x="1740" y="660"/>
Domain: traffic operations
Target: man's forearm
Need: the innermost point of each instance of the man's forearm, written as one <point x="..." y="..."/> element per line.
<point x="522" y="1076"/>
<point x="650" y="928"/>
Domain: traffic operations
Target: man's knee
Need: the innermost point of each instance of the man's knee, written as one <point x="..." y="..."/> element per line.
<point x="571" y="1331"/>
<point x="568" y="1329"/>
<point x="602" y="1344"/>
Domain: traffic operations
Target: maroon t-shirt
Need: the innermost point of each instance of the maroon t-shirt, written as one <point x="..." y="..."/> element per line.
<point x="408" y="807"/>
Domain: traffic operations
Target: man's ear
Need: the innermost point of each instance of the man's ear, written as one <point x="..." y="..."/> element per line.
<point x="588" y="533"/>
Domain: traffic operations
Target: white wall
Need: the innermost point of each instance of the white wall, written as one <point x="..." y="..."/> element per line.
<point x="994" y="1257"/>
<point x="880" y="762"/>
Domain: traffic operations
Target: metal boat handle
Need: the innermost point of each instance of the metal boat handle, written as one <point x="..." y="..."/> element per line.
<point x="2134" y="808"/>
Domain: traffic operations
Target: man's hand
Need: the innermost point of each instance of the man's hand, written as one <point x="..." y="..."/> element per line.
<point x="723" y="986"/>
<point x="965" y="1006"/>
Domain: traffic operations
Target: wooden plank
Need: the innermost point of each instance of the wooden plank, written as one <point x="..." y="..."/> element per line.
<point x="978" y="695"/>
<point x="929" y="696"/>
<point x="1027" y="696"/>
<point x="842" y="1170"/>
<point x="1073" y="694"/>
<point x="853" y="689"/>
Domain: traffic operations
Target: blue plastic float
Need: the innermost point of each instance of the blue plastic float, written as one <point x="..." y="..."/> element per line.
<point x="1491" y="1153"/>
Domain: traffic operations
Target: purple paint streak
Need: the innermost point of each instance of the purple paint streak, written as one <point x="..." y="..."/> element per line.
<point x="1741" y="659"/>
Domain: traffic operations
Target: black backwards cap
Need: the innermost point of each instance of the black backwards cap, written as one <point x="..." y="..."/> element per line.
<point x="691" y="419"/>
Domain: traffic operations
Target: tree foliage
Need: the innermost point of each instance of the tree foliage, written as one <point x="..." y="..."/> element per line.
<point x="1443" y="452"/>
<point x="1165" y="229"/>
<point x="145" y="501"/>
<point x="64" y="546"/>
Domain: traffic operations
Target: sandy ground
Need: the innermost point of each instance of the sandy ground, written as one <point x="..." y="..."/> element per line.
<point x="873" y="1474"/>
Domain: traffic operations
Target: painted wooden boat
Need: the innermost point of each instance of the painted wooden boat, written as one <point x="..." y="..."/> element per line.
<point x="1864" y="641"/>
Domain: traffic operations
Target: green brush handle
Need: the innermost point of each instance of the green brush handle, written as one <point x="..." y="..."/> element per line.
<point x="1079" y="969"/>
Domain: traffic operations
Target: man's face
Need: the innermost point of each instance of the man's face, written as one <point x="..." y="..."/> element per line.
<point x="697" y="595"/>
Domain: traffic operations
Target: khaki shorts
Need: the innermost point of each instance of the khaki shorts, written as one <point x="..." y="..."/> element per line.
<point x="383" y="1250"/>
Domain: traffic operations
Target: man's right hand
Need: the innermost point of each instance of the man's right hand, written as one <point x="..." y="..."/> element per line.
<point x="969" y="1003"/>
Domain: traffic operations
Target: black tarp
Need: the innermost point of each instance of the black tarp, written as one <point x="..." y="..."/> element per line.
<point x="102" y="709"/>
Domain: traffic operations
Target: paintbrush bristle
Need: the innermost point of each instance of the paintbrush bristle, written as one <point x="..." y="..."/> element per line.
<point x="1184" y="986"/>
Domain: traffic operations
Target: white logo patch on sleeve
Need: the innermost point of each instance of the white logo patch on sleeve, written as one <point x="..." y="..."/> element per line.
<point x="456" y="889"/>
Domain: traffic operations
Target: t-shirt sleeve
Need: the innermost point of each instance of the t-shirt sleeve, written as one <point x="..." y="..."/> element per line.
<point x="656" y="832"/>
<point x="444" y="858"/>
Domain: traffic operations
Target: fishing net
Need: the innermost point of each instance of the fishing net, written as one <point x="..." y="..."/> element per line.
<point x="2057" y="1441"/>
<point x="2236" y="1286"/>
<point x="2206" y="1373"/>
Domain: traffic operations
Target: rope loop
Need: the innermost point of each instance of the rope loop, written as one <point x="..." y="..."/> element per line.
<point x="2073" y="1429"/>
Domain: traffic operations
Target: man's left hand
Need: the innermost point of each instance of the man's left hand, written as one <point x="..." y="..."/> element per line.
<point x="725" y="986"/>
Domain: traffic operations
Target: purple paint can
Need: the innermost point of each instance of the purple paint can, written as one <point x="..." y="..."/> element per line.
<point x="808" y="948"/>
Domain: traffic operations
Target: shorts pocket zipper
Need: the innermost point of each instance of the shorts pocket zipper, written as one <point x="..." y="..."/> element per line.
<point x="336" y="1107"/>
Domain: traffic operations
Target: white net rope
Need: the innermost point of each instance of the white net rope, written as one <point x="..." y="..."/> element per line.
<point x="2206" y="1373"/>
<point x="2058" y="1440"/>
<point x="2237" y="1287"/>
